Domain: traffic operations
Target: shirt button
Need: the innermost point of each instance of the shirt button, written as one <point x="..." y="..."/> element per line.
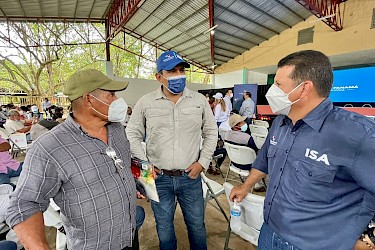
<point x="269" y="203"/>
<point x="310" y="174"/>
<point x="281" y="169"/>
<point x="274" y="187"/>
<point x="286" y="151"/>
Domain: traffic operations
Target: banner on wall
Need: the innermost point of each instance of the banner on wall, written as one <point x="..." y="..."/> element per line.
<point x="238" y="91"/>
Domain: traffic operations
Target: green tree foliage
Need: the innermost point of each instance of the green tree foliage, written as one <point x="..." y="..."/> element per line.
<point x="37" y="58"/>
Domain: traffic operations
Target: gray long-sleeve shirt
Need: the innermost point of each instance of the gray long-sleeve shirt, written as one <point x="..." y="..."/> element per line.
<point x="173" y="132"/>
<point x="247" y="108"/>
<point x="97" y="203"/>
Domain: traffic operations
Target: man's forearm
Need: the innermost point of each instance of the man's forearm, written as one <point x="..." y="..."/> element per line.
<point x="254" y="176"/>
<point x="24" y="130"/>
<point x="31" y="232"/>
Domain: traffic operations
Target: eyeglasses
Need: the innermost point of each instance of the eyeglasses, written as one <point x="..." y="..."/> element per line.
<point x="112" y="154"/>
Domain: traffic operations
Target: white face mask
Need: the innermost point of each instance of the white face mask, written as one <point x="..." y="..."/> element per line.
<point x="117" y="110"/>
<point x="279" y="101"/>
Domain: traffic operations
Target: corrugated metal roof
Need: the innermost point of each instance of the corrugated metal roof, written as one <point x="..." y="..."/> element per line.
<point x="180" y="25"/>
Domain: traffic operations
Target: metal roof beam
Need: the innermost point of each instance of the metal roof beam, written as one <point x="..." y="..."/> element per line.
<point x="23" y="11"/>
<point x="211" y="20"/>
<point x="290" y="10"/>
<point x="242" y="29"/>
<point x="231" y="51"/>
<point x="235" y="45"/>
<point x="186" y="31"/>
<point x="2" y="11"/>
<point x="234" y="36"/>
<point x="92" y="7"/>
<point x="265" y="13"/>
<point x="41" y="7"/>
<point x="180" y="23"/>
<point x="184" y="3"/>
<point x="244" y="17"/>
<point x="152" y="12"/>
<point x="75" y="9"/>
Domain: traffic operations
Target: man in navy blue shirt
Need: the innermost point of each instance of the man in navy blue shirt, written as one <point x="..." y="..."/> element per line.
<point x="320" y="160"/>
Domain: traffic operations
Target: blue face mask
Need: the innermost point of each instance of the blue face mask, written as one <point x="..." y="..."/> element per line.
<point x="176" y="84"/>
<point x="244" y="128"/>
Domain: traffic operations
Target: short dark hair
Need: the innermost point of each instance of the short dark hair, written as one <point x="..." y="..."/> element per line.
<point x="248" y="94"/>
<point x="313" y="66"/>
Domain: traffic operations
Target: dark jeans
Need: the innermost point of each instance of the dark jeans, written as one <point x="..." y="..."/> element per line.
<point x="8" y="245"/>
<point x="219" y="151"/>
<point x="139" y="216"/>
<point x="269" y="240"/>
<point x="5" y="178"/>
<point x="189" y="195"/>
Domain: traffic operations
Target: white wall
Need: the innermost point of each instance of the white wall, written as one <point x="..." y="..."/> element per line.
<point x="139" y="87"/>
<point x="227" y="80"/>
<point x="255" y="77"/>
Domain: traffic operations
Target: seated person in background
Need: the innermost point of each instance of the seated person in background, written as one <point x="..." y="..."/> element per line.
<point x="45" y="125"/>
<point x="14" y="123"/>
<point x="238" y="136"/>
<point x="9" y="167"/>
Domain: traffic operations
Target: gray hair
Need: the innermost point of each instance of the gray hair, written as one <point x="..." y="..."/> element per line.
<point x="13" y="112"/>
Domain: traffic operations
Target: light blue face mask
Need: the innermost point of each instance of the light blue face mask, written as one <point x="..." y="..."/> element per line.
<point x="244" y="127"/>
<point x="176" y="84"/>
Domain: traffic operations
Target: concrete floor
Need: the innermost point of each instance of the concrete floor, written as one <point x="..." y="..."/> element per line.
<point x="216" y="225"/>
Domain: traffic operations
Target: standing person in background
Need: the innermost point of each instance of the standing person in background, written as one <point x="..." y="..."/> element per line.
<point x="227" y="98"/>
<point x="247" y="107"/>
<point x="220" y="111"/>
<point x="173" y="120"/>
<point x="46" y="104"/>
<point x="320" y="160"/>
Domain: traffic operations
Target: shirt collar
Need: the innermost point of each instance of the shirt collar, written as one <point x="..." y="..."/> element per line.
<point x="160" y="94"/>
<point x="316" y="117"/>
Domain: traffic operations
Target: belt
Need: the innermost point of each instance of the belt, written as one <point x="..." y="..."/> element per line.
<point x="178" y="172"/>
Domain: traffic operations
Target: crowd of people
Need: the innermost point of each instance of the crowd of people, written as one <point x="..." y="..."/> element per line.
<point x="320" y="176"/>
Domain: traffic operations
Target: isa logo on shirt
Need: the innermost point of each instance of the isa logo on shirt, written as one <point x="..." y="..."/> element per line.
<point x="273" y="140"/>
<point x="314" y="155"/>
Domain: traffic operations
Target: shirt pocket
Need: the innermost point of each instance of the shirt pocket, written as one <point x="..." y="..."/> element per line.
<point x="191" y="118"/>
<point x="157" y="118"/>
<point x="313" y="182"/>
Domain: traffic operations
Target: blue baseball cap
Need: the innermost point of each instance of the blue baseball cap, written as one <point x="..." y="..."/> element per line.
<point x="170" y="59"/>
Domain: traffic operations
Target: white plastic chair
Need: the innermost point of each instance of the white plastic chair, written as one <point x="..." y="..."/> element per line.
<point x="212" y="190"/>
<point x="256" y="129"/>
<point x="261" y="123"/>
<point x="251" y="217"/>
<point x="4" y="133"/>
<point x="52" y="219"/>
<point x="259" y="139"/>
<point x="18" y="143"/>
<point x="241" y="155"/>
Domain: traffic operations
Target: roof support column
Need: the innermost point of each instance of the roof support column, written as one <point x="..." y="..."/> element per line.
<point x="212" y="41"/>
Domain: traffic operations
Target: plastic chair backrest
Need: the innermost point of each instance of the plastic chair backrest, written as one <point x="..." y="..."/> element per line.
<point x="259" y="140"/>
<point x="261" y="123"/>
<point x="240" y="154"/>
<point x="4" y="134"/>
<point x="260" y="130"/>
<point x="19" y="139"/>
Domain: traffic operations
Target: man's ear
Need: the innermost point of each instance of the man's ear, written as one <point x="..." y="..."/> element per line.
<point x="86" y="99"/>
<point x="308" y="87"/>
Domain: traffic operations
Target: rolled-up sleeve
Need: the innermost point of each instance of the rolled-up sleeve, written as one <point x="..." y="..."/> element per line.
<point x="38" y="183"/>
<point x="209" y="134"/>
<point x="136" y="130"/>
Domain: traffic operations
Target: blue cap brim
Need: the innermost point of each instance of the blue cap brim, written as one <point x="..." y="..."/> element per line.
<point x="172" y="65"/>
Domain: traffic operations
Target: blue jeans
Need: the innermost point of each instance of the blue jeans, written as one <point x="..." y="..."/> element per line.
<point x="5" y="178"/>
<point x="189" y="195"/>
<point x="269" y="240"/>
<point x="8" y="245"/>
<point x="139" y="216"/>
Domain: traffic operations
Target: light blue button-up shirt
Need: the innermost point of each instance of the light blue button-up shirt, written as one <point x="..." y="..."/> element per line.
<point x="321" y="193"/>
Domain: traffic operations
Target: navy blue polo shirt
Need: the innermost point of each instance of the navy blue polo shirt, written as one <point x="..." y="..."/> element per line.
<point x="321" y="193"/>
